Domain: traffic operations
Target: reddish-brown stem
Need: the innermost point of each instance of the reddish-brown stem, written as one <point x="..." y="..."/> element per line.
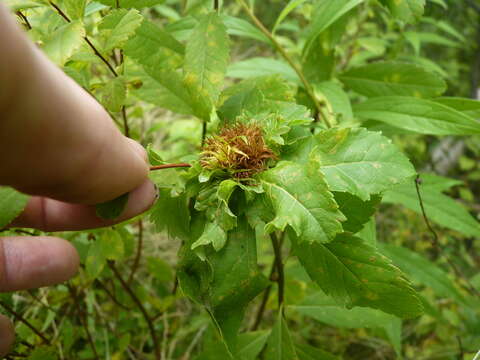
<point x="169" y="166"/>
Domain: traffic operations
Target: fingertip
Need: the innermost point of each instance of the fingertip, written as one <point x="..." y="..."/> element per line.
<point x="140" y="200"/>
<point x="138" y="149"/>
<point x="7" y="336"/>
<point x="33" y="262"/>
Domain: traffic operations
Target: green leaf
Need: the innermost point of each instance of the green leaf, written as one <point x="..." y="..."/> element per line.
<point x="15" y="5"/>
<point x="307" y="352"/>
<point x="240" y="27"/>
<point x="357" y="212"/>
<point x="367" y="278"/>
<point x="439" y="208"/>
<point x="171" y="214"/>
<point x="117" y="27"/>
<point x="417" y="115"/>
<point x="325" y="13"/>
<point x="356" y="161"/>
<point x="301" y="199"/>
<point x="150" y="44"/>
<point x="112" y="209"/>
<point x="251" y="344"/>
<point x="338" y="99"/>
<point x="206" y="59"/>
<point x="393" y="78"/>
<point x="423" y="271"/>
<point x="280" y="345"/>
<point x="261" y="66"/>
<point x="114" y="94"/>
<point x="43" y="353"/>
<point x="322" y="308"/>
<point x="405" y="10"/>
<point x="139" y="4"/>
<point x="12" y="204"/>
<point x="64" y="41"/>
<point x="75" y="9"/>
<point x="468" y="107"/>
<point x="108" y="245"/>
<point x="227" y="280"/>
<point x="213" y="234"/>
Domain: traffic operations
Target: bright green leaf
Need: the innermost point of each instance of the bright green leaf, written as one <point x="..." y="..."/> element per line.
<point x="64" y="41"/>
<point x="75" y="9"/>
<point x="358" y="161"/>
<point x="393" y="78"/>
<point x="114" y="94"/>
<point x="117" y="27"/>
<point x="466" y="106"/>
<point x="417" y="115"/>
<point x="301" y="199"/>
<point x="206" y="59"/>
<point x="256" y="67"/>
<point x="357" y="212"/>
<point x="139" y="4"/>
<point x="307" y="352"/>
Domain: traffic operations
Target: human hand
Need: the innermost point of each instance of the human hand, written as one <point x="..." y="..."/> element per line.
<point x="59" y="145"/>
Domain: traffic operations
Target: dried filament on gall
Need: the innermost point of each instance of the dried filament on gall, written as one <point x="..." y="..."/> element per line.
<point x="239" y="149"/>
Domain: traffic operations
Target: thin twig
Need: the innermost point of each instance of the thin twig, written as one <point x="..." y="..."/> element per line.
<point x="204" y="132"/>
<point x="20" y="318"/>
<point x="110" y="295"/>
<point x="126" y="128"/>
<point x="87" y="40"/>
<point x="25" y="20"/>
<point x="308" y="87"/>
<point x="436" y="245"/>
<point x="138" y="256"/>
<point x="263" y="304"/>
<point x="277" y="249"/>
<point x="140" y="306"/>
<point x="170" y="166"/>
<point x="216" y="4"/>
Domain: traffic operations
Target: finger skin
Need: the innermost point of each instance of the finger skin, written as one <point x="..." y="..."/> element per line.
<point x="33" y="262"/>
<point x="55" y="139"/>
<point x="52" y="215"/>
<point x="7" y="336"/>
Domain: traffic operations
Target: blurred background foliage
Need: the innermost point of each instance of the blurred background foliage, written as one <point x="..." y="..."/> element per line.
<point x="95" y="316"/>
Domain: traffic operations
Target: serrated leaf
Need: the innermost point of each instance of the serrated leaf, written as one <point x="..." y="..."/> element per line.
<point x="406" y="10"/>
<point x="171" y="214"/>
<point x="114" y="94"/>
<point x="322" y="308"/>
<point x="108" y="245"/>
<point x="112" y="209"/>
<point x="301" y="200"/>
<point x="417" y="115"/>
<point x="206" y="59"/>
<point x="422" y="270"/>
<point x="12" y="204"/>
<point x="392" y="79"/>
<point x="117" y="27"/>
<point x="213" y="234"/>
<point x="325" y="13"/>
<point x="280" y="345"/>
<point x="355" y="274"/>
<point x="64" y="41"/>
<point x="355" y="160"/>
<point x="439" y="208"/>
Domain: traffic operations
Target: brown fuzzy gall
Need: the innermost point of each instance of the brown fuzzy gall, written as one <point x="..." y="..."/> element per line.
<point x="239" y="149"/>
